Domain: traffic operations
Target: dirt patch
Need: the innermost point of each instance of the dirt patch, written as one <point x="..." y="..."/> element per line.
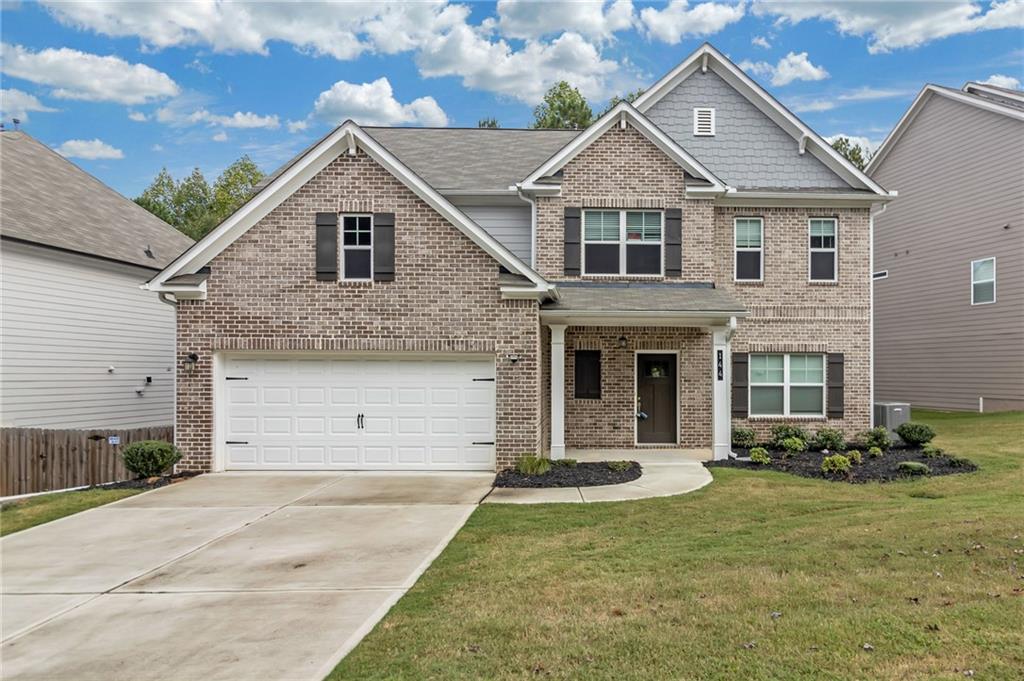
<point x="588" y="474"/>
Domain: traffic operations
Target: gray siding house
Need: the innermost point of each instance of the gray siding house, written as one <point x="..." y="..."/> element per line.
<point x="949" y="254"/>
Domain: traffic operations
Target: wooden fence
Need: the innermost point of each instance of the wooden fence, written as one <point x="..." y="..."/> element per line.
<point x="39" y="460"/>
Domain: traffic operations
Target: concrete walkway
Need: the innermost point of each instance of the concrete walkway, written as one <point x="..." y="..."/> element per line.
<point x="227" y="576"/>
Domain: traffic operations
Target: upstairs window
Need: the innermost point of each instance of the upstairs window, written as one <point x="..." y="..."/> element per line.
<point x="983" y="281"/>
<point x="822" y="249"/>
<point x="749" y="238"/>
<point x="357" y="247"/>
<point x="618" y="242"/>
<point x="704" y="122"/>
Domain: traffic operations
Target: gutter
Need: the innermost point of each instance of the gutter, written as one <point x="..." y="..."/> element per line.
<point x="164" y="299"/>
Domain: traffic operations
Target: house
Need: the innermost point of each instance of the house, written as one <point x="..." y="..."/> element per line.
<point x="949" y="255"/>
<point x="82" y="346"/>
<point x="453" y="299"/>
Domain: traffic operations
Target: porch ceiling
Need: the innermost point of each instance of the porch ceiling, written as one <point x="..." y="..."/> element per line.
<point x="590" y="303"/>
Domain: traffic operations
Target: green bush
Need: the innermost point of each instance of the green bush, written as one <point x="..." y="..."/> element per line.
<point x="930" y="451"/>
<point x="793" y="445"/>
<point x="913" y="468"/>
<point x="831" y="439"/>
<point x="149" y="458"/>
<point x="620" y="466"/>
<point x="875" y="452"/>
<point x="837" y="463"/>
<point x="877" y="437"/>
<point x="784" y="431"/>
<point x="915" y="434"/>
<point x="855" y="456"/>
<point x="564" y="463"/>
<point x="960" y="462"/>
<point x="529" y="464"/>
<point x="744" y="437"/>
<point x="760" y="455"/>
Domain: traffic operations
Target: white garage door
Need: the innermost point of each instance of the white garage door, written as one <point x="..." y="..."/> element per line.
<point x="316" y="413"/>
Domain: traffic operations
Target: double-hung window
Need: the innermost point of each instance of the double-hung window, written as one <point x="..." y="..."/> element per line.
<point x="622" y="242"/>
<point x="822" y="249"/>
<point x="749" y="240"/>
<point x="357" y="247"/>
<point x="787" y="385"/>
<point x="983" y="281"/>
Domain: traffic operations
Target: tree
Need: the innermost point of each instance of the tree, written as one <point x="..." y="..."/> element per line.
<point x="563" y="107"/>
<point x="158" y="197"/>
<point x="855" y="153"/>
<point x="235" y="186"/>
<point x="488" y="123"/>
<point x="193" y="201"/>
<point x="628" y="97"/>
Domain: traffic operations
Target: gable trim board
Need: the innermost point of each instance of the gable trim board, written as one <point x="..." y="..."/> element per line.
<point x="923" y="97"/>
<point x="346" y="138"/>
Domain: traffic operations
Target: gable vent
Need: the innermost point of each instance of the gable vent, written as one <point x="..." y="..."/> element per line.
<point x="704" y="121"/>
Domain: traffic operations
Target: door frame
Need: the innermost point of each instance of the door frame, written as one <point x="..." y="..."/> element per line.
<point x="636" y="383"/>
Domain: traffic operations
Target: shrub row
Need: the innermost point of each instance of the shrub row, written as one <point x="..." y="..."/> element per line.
<point x="785" y="435"/>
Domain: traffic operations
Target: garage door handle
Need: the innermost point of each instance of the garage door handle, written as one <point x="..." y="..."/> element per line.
<point x="491" y="380"/>
<point x="359" y="421"/>
<point x="483" y="443"/>
<point x="236" y="442"/>
<point x="236" y="378"/>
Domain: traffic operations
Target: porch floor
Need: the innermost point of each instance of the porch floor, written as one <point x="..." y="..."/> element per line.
<point x="641" y="455"/>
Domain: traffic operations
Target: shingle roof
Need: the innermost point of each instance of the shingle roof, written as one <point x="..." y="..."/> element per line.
<point x="642" y="297"/>
<point x="46" y="199"/>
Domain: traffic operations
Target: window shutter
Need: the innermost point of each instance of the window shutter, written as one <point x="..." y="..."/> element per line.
<point x="383" y="246"/>
<point x="673" y="242"/>
<point x="327" y="246"/>
<point x="834" y="385"/>
<point x="740" y="361"/>
<point x="572" y="242"/>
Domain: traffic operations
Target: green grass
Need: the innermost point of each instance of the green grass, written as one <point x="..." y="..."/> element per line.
<point x="25" y="513"/>
<point x="930" y="573"/>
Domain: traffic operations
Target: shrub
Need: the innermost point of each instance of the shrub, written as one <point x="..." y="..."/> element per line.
<point x="960" y="462"/>
<point x="877" y="437"/>
<point x="529" y="464"/>
<point x="930" y="451"/>
<point x="744" y="437"/>
<point x="564" y="463"/>
<point x="837" y="463"/>
<point x="784" y="431"/>
<point x="760" y="455"/>
<point x="913" y="468"/>
<point x="149" y="458"/>
<point x="855" y="456"/>
<point x="793" y="445"/>
<point x="915" y="434"/>
<point x="875" y="452"/>
<point x="831" y="439"/>
<point x="620" y="466"/>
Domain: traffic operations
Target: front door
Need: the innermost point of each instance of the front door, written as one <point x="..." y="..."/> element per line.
<point x="656" y="398"/>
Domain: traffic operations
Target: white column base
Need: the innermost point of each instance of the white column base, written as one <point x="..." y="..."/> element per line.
<point x="557" y="391"/>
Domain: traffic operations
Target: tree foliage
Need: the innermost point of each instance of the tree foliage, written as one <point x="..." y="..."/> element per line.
<point x="192" y="204"/>
<point x="563" y="107"/>
<point x="855" y="153"/>
<point x="628" y="97"/>
<point x="489" y="122"/>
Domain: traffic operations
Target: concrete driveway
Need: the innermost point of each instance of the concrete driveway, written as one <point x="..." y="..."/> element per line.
<point x="227" y="576"/>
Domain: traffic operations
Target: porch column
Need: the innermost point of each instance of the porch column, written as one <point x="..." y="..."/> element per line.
<point x="558" y="391"/>
<point x="721" y="394"/>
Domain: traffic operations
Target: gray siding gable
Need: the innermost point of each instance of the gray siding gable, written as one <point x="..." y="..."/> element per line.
<point x="748" y="149"/>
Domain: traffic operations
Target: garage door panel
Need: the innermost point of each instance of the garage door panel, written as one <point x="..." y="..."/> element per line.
<point x="277" y="396"/>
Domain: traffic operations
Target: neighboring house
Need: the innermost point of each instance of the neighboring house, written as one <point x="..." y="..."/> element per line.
<point x="949" y="255"/>
<point x="453" y="299"/>
<point x="82" y="346"/>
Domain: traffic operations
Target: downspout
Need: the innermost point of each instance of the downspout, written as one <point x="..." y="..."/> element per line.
<point x="164" y="299"/>
<point x="871" y="314"/>
<point x="533" y="224"/>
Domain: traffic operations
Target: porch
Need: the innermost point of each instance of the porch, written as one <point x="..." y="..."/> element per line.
<point x="643" y="455"/>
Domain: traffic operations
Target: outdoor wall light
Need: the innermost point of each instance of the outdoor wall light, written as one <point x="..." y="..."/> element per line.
<point x="622" y="342"/>
<point x="190" y="362"/>
<point x="513" y="357"/>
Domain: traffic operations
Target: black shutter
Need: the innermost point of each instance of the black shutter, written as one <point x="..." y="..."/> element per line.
<point x="587" y="374"/>
<point x="740" y="361"/>
<point x="383" y="246"/>
<point x="327" y="246"/>
<point x="674" y="242"/>
<point x="834" y="384"/>
<point x="572" y="241"/>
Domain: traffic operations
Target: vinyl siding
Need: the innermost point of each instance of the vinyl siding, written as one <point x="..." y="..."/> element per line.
<point x="960" y="180"/>
<point x="510" y="225"/>
<point x="65" y="320"/>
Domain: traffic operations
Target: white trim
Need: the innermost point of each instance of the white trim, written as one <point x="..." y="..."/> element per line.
<point x="984" y="281"/>
<point x="623" y="243"/>
<point x="761" y="199"/>
<point x="697" y="111"/>
<point x="834" y="250"/>
<point x="787" y="384"/>
<point x="557" y="391"/>
<point x="636" y="395"/>
<point x="747" y="249"/>
<point x="721" y="391"/>
<point x="665" y="318"/>
<point x="994" y="90"/>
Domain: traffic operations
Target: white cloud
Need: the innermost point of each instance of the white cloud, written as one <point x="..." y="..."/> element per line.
<point x="791" y="67"/>
<point x="17" y="104"/>
<point x="760" y="41"/>
<point x="678" y="20"/>
<point x="177" y="114"/>
<point x="220" y="137"/>
<point x="199" y="67"/>
<point x="78" y="75"/>
<point x="813" y="106"/>
<point x="896" y="25"/>
<point x="137" y="116"/>
<point x="592" y="18"/>
<point x="868" y="94"/>
<point x="157" y="147"/>
<point x="869" y="144"/>
<point x="999" y="80"/>
<point x="374" y="104"/>
<point x="89" y="149"/>
<point x="297" y="126"/>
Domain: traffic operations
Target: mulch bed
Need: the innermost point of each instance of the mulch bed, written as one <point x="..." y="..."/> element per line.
<point x="587" y="474"/>
<point x="882" y="469"/>
<point x="146" y="483"/>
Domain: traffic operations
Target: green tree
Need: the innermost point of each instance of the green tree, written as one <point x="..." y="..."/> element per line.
<point x="235" y="186"/>
<point x="855" y="153"/>
<point x="158" y="197"/>
<point x="488" y="123"/>
<point x="628" y="97"/>
<point x="193" y="205"/>
<point x="563" y="107"/>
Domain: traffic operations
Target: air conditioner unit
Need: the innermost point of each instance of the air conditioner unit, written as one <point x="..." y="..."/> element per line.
<point x="891" y="414"/>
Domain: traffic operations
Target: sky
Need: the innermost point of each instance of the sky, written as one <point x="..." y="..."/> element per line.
<point x="126" y="88"/>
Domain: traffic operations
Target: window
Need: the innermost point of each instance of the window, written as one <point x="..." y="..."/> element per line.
<point x="622" y="242"/>
<point x="983" y="281"/>
<point x="787" y="385"/>
<point x="588" y="375"/>
<point x="704" y="122"/>
<point x="749" y="249"/>
<point x="822" y="264"/>
<point x="357" y="247"/>
<point x="881" y="274"/>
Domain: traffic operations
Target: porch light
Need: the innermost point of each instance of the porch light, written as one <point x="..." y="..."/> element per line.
<point x="190" y="362"/>
<point x="622" y="342"/>
<point x="513" y="357"/>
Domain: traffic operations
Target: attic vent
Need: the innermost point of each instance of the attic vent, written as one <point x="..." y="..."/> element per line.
<point x="704" y="121"/>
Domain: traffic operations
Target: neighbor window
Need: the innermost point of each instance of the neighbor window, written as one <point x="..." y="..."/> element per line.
<point x="587" y="375"/>
<point x="622" y="242"/>
<point x="822" y="264"/>
<point x="749" y="249"/>
<point x="787" y="385"/>
<point x="357" y="247"/>
<point x="983" y="281"/>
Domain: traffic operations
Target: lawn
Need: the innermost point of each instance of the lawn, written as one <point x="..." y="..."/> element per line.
<point x="760" y="575"/>
<point x="32" y="511"/>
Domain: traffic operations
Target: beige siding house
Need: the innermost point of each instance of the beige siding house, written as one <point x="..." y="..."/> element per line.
<point x="949" y="254"/>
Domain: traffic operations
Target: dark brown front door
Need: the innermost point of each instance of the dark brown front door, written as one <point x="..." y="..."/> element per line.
<point x="656" y="393"/>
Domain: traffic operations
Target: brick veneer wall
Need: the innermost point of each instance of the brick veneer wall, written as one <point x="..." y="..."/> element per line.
<point x="262" y="294"/>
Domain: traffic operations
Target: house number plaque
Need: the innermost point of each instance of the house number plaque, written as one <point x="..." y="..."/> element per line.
<point x="721" y="365"/>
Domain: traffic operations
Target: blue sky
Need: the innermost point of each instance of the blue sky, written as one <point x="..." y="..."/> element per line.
<point x="124" y="89"/>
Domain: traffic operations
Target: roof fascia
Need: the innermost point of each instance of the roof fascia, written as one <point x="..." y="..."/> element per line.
<point x="754" y="199"/>
<point x="994" y="91"/>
